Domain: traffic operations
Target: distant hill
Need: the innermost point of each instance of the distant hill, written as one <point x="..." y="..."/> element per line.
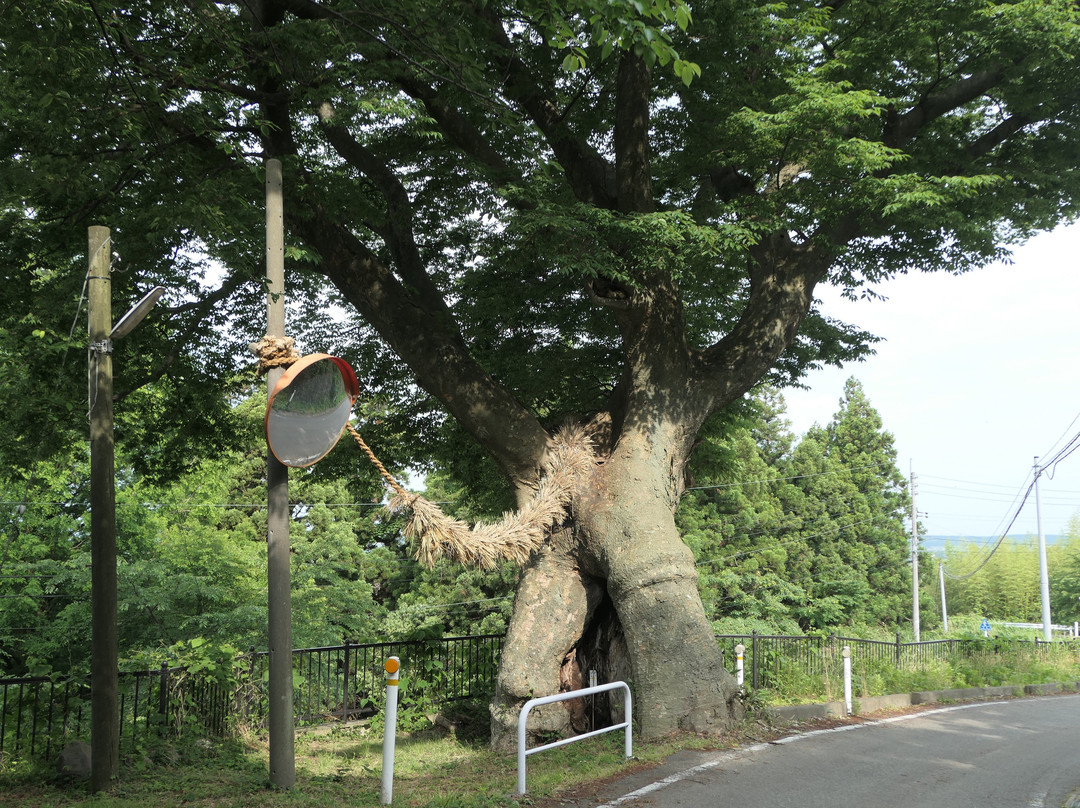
<point x="936" y="544"/>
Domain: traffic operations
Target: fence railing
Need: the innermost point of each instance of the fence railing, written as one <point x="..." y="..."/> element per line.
<point x="347" y="682"/>
<point x="768" y="658"/>
<point x="38" y="715"/>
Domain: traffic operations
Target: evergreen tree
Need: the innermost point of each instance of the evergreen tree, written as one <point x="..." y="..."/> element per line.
<point x="879" y="542"/>
<point x="736" y="526"/>
<point x="852" y="501"/>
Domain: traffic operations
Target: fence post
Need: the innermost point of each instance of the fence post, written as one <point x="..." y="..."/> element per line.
<point x="753" y="661"/>
<point x="847" y="678"/>
<point x="163" y="695"/>
<point x="346" y="690"/>
<point x="898" y="649"/>
<point x="251" y="683"/>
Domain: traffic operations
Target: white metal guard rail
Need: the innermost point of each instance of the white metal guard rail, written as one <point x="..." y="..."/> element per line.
<point x="523" y="751"/>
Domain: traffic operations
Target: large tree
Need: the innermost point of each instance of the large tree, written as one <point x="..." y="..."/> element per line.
<point x="609" y="211"/>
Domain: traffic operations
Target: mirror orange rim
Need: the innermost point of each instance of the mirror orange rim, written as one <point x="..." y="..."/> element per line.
<point x="352" y="392"/>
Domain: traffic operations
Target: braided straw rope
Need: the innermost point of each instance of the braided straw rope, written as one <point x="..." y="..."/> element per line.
<point x="275" y="352"/>
<point x="514" y="537"/>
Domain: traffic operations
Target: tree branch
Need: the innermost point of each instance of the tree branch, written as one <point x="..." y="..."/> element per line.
<point x="782" y="282"/>
<point x="458" y="128"/>
<point x="439" y="359"/>
<point x="901" y="129"/>
<point x="399" y="214"/>
<point x="591" y="177"/>
<point x="632" y="169"/>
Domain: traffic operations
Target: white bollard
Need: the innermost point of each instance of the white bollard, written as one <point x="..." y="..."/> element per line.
<point x="740" y="649"/>
<point x="847" y="678"/>
<point x="393" y="668"/>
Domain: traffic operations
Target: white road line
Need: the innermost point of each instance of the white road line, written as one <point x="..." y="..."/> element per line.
<point x="726" y="756"/>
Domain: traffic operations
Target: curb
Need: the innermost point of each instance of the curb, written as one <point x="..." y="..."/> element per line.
<point x="873" y="704"/>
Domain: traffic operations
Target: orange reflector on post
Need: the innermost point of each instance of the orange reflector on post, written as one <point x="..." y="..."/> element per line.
<point x="392" y="666"/>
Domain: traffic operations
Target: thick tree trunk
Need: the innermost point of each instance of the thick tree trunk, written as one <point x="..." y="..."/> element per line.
<point x="657" y="635"/>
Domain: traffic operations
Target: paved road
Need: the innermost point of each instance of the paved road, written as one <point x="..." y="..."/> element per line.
<point x="1022" y="753"/>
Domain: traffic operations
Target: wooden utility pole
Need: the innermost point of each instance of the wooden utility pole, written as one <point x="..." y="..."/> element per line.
<point x="104" y="679"/>
<point x="279" y="585"/>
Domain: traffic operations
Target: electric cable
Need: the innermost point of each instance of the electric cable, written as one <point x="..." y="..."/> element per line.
<point x="1001" y="539"/>
<point x="781" y="479"/>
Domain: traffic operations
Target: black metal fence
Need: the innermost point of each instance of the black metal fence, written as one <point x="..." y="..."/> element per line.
<point x="347" y="682"/>
<point x="38" y="715"/>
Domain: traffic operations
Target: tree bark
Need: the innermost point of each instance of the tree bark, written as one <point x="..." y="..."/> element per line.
<point x="635" y="557"/>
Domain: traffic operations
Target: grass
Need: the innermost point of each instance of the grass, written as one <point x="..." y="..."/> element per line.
<point x="343" y="767"/>
<point x="1006" y="665"/>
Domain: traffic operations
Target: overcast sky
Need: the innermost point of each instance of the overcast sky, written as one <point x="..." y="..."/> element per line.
<point x="978" y="375"/>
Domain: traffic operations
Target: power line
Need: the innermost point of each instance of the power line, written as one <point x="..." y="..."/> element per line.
<point x="1063" y="434"/>
<point x="1004" y="533"/>
<point x="781" y="479"/>
<point x="752" y="550"/>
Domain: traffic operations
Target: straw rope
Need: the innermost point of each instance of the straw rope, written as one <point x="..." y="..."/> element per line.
<point x="514" y="537"/>
<point x="275" y="352"/>
<point x="393" y="483"/>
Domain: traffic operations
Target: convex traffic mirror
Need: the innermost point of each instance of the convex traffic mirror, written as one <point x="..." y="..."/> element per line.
<point x="309" y="408"/>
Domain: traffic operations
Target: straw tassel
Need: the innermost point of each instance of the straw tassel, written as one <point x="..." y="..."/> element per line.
<point x="517" y="535"/>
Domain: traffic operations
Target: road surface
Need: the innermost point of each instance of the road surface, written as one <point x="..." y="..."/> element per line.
<point x="1022" y="753"/>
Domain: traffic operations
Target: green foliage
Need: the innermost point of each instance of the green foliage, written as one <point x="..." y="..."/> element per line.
<point x="1004" y="588"/>
<point x="1063" y="567"/>
<point x="808" y="533"/>
<point x="626" y="25"/>
<point x="192" y="565"/>
<point x="459" y="230"/>
<point x="850" y="129"/>
<point x="218" y="663"/>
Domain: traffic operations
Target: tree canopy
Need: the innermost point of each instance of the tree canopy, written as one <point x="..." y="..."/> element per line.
<point x="613" y="212"/>
<point x="809" y="535"/>
<point x="443" y="159"/>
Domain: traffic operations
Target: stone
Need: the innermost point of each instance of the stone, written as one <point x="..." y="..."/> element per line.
<point x="74" y="761"/>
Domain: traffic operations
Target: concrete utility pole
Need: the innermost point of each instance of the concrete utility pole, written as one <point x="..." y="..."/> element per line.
<point x="944" y="610"/>
<point x="279" y="583"/>
<point x="914" y="561"/>
<point x="104" y="677"/>
<point x="1044" y="578"/>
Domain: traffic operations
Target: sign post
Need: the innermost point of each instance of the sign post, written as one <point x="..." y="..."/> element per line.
<point x="847" y="679"/>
